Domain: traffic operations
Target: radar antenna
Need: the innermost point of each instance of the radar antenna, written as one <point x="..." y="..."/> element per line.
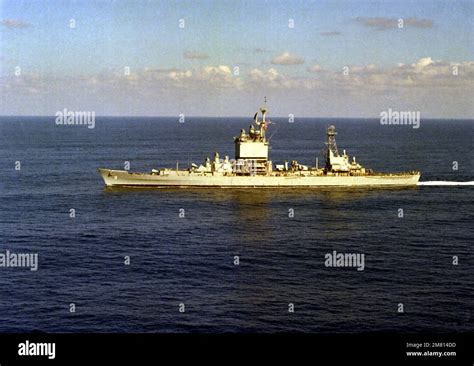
<point x="264" y="122"/>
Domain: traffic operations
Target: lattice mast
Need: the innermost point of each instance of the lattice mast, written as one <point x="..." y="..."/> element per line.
<point x="331" y="145"/>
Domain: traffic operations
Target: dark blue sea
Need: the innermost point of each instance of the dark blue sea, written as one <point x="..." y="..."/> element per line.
<point x="190" y="260"/>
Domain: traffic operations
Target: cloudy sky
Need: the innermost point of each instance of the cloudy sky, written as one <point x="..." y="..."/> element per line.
<point x="220" y="58"/>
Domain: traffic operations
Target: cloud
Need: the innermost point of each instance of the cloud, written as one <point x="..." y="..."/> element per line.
<point x="192" y="55"/>
<point x="262" y="75"/>
<point x="422" y="63"/>
<point x="160" y="70"/>
<point x="260" y="50"/>
<point x="14" y="23"/>
<point x="427" y="72"/>
<point x="287" y="58"/>
<point x="330" y="34"/>
<point x="418" y="23"/>
<point x="180" y="75"/>
<point x="423" y="73"/>
<point x="382" y="23"/>
<point x="261" y="79"/>
<point x="207" y="79"/>
<point x="314" y="68"/>
<point x="425" y="80"/>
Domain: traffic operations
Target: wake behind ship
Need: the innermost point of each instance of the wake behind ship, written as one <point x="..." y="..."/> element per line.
<point x="251" y="168"/>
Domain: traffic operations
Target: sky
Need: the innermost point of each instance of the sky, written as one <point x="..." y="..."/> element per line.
<point x="221" y="58"/>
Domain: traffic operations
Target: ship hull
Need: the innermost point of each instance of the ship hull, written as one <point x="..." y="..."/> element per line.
<point x="182" y="179"/>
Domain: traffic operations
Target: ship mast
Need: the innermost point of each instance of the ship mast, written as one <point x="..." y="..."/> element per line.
<point x="331" y="145"/>
<point x="263" y="124"/>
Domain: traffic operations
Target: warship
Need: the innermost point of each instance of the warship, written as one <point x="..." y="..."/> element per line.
<point x="251" y="168"/>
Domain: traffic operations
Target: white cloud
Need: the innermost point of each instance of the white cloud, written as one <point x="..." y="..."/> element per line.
<point x="220" y="70"/>
<point x="425" y="72"/>
<point x="14" y="23"/>
<point x="421" y="79"/>
<point x="193" y="55"/>
<point x="314" y="68"/>
<point x="287" y="58"/>
<point x="422" y="63"/>
<point x="381" y="23"/>
<point x="269" y="75"/>
<point x="179" y="75"/>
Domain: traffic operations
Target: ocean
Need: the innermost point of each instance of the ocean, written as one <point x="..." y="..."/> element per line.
<point x="129" y="261"/>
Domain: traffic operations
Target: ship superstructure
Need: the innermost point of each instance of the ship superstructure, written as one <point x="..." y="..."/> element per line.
<point x="252" y="168"/>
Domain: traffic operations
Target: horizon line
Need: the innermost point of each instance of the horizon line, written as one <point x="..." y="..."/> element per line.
<point x="177" y="116"/>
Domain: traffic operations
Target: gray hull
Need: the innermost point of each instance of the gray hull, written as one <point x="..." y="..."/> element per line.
<point x="122" y="178"/>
